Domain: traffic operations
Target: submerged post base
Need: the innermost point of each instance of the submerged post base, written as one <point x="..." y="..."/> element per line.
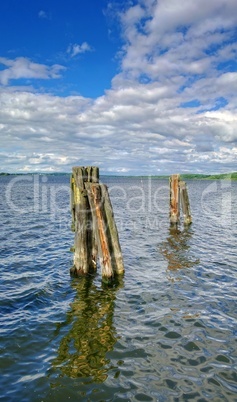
<point x="77" y="272"/>
<point x="115" y="279"/>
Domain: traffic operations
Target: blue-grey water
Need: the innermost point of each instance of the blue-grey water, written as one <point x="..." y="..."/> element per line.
<point x="165" y="332"/>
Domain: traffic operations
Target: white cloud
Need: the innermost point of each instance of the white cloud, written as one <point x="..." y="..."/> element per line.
<point x="22" y="67"/>
<point x="170" y="58"/>
<point x="175" y="35"/>
<point x="116" y="131"/>
<point x="75" y="49"/>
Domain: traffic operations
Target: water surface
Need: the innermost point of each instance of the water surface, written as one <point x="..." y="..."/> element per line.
<point x="165" y="332"/>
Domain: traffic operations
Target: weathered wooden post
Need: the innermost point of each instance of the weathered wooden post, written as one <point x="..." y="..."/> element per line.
<point x="72" y="201"/>
<point x="85" y="247"/>
<point x="112" y="233"/>
<point x="185" y="203"/>
<point x="96" y="203"/>
<point x="95" y="228"/>
<point x="174" y="200"/>
<point x="179" y="195"/>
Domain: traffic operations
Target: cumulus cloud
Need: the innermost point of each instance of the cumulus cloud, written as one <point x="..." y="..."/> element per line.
<point x="114" y="132"/>
<point x="170" y="38"/>
<point x="75" y="49"/>
<point x="171" y="108"/>
<point x="23" y="67"/>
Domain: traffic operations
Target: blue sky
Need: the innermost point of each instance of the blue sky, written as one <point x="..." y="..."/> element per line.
<point x="134" y="87"/>
<point x="73" y="34"/>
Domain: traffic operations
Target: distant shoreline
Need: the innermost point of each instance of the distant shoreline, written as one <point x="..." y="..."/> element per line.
<point x="188" y="176"/>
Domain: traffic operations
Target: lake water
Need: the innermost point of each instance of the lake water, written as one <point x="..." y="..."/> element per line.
<point x="166" y="332"/>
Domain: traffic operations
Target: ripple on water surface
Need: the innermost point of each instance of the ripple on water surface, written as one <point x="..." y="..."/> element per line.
<point x="166" y="332"/>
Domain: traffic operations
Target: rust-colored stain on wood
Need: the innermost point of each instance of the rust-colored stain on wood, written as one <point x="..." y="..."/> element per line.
<point x="174" y="198"/>
<point x="101" y="232"/>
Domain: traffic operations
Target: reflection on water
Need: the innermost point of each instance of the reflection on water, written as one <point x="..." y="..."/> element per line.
<point x="168" y="335"/>
<point x="82" y="351"/>
<point x="176" y="249"/>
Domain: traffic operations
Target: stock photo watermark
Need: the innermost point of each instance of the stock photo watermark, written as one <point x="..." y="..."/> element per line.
<point x="47" y="197"/>
<point x="147" y="201"/>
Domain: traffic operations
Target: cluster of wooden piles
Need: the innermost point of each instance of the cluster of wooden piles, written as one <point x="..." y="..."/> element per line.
<point x="96" y="235"/>
<point x="93" y="221"/>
